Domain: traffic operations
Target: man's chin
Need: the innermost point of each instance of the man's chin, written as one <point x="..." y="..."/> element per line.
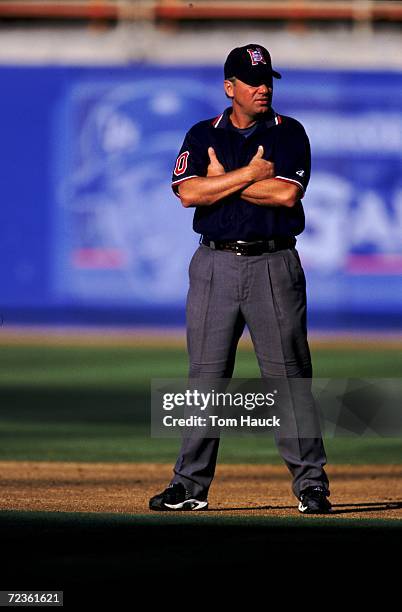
<point x="262" y="108"/>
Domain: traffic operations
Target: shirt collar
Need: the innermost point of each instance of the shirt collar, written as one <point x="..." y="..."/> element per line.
<point x="270" y="119"/>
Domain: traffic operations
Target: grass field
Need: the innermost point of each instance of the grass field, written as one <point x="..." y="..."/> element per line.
<point x="92" y="404"/>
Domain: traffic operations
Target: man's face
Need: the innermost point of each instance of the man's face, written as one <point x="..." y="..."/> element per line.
<point x="251" y="100"/>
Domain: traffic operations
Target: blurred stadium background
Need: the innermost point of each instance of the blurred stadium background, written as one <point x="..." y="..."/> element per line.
<point x="96" y="98"/>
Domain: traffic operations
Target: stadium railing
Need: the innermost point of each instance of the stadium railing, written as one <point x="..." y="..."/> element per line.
<point x="182" y="10"/>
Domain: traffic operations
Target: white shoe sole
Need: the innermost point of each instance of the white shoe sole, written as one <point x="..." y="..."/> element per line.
<point x="304" y="510"/>
<point x="189" y="504"/>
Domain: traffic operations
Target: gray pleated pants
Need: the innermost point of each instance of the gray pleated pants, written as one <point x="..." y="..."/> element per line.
<point x="268" y="293"/>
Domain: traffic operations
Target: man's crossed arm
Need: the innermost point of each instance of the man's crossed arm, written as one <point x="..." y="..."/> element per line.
<point x="255" y="181"/>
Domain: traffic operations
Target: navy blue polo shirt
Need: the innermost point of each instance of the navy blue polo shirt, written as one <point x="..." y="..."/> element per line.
<point x="285" y="143"/>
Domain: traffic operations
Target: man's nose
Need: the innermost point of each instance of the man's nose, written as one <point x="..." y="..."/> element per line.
<point x="264" y="89"/>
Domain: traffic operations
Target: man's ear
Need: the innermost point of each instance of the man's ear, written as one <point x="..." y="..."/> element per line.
<point x="228" y="85"/>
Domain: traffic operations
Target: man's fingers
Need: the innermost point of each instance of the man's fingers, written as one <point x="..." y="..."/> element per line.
<point x="211" y="153"/>
<point x="260" y="152"/>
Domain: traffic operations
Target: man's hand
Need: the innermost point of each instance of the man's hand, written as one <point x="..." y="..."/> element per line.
<point x="265" y="190"/>
<point x="215" y="167"/>
<point x="260" y="168"/>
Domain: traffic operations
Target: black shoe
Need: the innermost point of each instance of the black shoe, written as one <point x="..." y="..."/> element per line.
<point x="314" y="501"/>
<point x="176" y="497"/>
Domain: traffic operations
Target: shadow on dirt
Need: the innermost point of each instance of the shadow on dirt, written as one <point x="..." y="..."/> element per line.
<point x="336" y="508"/>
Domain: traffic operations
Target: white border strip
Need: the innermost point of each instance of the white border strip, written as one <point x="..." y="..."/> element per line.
<point x="181" y="181"/>
<point x="185" y="178"/>
<point x="285" y="178"/>
<point x="218" y="122"/>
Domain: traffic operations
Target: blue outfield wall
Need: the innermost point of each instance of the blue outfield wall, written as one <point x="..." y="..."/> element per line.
<point x="92" y="233"/>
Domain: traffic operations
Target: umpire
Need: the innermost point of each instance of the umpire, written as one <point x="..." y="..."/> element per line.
<point x="245" y="173"/>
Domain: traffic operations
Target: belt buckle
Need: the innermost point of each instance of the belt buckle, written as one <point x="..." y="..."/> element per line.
<point x="241" y="247"/>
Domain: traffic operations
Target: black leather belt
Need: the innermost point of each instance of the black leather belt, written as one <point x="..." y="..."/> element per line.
<point x="258" y="247"/>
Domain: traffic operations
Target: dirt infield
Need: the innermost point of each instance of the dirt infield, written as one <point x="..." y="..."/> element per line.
<point x="175" y="337"/>
<point x="356" y="491"/>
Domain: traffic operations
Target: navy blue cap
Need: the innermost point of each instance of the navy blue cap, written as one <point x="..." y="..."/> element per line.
<point x="251" y="64"/>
